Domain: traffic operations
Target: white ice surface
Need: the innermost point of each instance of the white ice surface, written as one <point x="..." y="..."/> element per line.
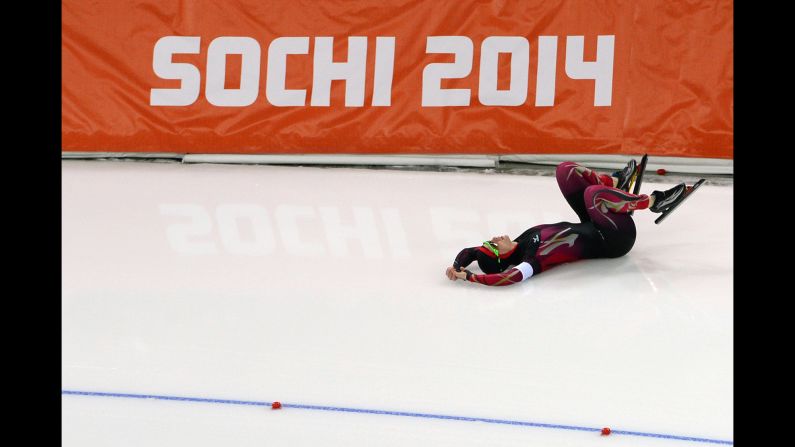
<point x="326" y="287"/>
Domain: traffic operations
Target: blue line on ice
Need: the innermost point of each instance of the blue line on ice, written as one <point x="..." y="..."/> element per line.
<point x="392" y="413"/>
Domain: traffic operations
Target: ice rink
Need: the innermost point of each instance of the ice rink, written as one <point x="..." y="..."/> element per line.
<point x="215" y="290"/>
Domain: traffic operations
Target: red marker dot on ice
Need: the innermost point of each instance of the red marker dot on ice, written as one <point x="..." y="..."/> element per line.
<point x="605" y="431"/>
<point x="661" y="171"/>
<point x="276" y="405"/>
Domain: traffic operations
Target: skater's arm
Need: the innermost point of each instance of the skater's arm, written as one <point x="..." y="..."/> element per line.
<point x="465" y="257"/>
<point x="511" y="276"/>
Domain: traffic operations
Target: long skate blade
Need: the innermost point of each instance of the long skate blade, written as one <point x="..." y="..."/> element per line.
<point x="677" y="204"/>
<point x="639" y="179"/>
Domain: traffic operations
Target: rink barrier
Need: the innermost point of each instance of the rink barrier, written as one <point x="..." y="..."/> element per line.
<point x="671" y="164"/>
<point x="420" y="77"/>
<point x="393" y="413"/>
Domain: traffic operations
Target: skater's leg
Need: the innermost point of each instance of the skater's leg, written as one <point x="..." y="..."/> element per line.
<point x="573" y="179"/>
<point x="609" y="210"/>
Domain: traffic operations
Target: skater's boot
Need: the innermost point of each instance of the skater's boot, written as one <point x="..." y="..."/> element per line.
<point x="627" y="175"/>
<point x="663" y="200"/>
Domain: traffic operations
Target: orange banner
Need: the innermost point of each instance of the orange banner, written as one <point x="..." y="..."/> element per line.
<point x="405" y="76"/>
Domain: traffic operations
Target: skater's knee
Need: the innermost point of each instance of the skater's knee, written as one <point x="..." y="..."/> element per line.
<point x="566" y="165"/>
<point x="564" y="169"/>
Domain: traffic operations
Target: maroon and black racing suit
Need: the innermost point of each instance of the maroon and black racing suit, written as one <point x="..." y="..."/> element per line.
<point x="606" y="230"/>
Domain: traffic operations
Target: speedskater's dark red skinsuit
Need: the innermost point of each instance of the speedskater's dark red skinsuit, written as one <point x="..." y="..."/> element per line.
<point x="606" y="230"/>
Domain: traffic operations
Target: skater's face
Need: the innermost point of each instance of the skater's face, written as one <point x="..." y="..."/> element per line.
<point x="503" y="243"/>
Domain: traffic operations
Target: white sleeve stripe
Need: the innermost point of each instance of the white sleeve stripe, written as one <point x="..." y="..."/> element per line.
<point x="526" y="269"/>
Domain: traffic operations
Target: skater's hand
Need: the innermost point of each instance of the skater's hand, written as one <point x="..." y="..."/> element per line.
<point x="450" y="272"/>
<point x="453" y="275"/>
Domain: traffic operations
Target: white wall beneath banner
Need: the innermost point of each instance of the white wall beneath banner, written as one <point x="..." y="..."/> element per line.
<point x="671" y="164"/>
